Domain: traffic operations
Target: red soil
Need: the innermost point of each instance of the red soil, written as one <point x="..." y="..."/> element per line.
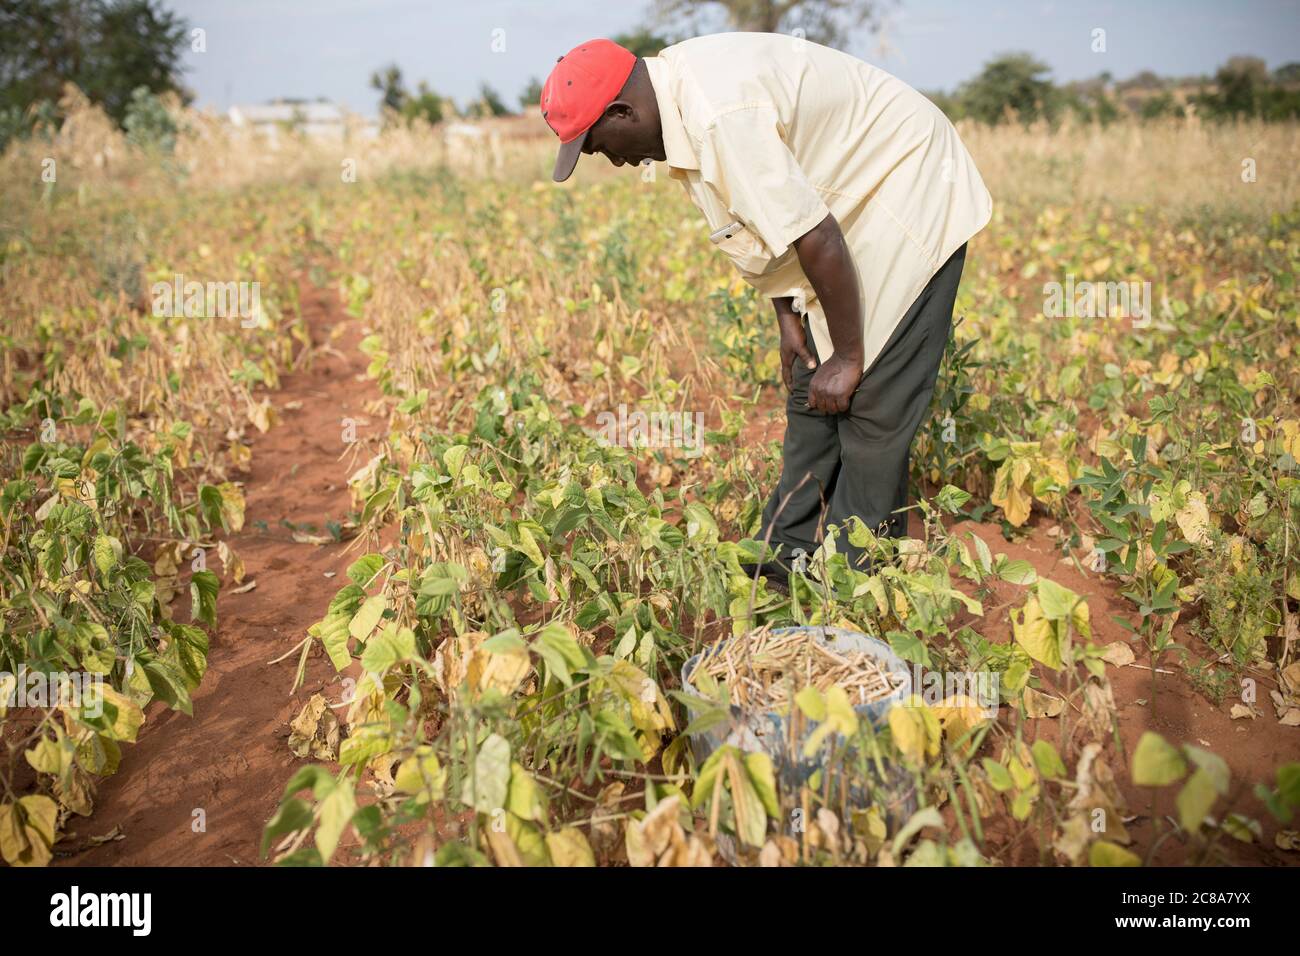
<point x="232" y="760"/>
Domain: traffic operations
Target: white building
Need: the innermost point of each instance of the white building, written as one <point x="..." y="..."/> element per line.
<point x="317" y="120"/>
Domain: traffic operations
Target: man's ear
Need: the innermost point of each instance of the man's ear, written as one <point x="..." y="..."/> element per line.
<point x="620" y="109"/>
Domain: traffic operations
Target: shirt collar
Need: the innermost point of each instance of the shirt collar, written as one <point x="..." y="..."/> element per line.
<point x="677" y="144"/>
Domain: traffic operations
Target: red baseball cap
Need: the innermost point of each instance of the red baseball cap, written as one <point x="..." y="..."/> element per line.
<point x="585" y="80"/>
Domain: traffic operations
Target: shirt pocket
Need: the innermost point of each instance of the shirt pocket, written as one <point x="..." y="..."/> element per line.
<point x="742" y="247"/>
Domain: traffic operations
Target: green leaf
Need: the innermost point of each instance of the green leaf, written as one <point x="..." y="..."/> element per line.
<point x="1156" y="763"/>
<point x="527" y="546"/>
<point x="454" y="459"/>
<point x="561" y="652"/>
<point x="210" y="505"/>
<point x="761" y="774"/>
<point x="294" y="814"/>
<point x="1213" y="765"/>
<point x="909" y="647"/>
<point x="391" y="646"/>
<point x="335" y="813"/>
<point x="364" y="621"/>
<point x="812" y="703"/>
<point x="1047" y="760"/>
<point x="1057" y="602"/>
<point x="485" y="789"/>
<point x="204" y="586"/>
<point x="1016" y="571"/>
<point x="107" y="552"/>
<point x="168" y="686"/>
<point x="1105" y="853"/>
<point x="363" y="570"/>
<point x="334" y="636"/>
<point x="999" y="776"/>
<point x="1195" y="800"/>
<point x="1037" y="635"/>
<point x="523" y="798"/>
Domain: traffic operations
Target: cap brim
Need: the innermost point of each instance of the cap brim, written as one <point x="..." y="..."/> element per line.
<point x="568" y="158"/>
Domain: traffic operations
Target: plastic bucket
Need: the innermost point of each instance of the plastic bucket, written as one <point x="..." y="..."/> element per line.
<point x="767" y="732"/>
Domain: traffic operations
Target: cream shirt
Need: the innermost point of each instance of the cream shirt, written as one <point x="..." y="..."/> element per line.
<point x="769" y="133"/>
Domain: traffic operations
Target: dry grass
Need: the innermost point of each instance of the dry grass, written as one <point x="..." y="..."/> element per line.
<point x="1179" y="166"/>
<point x="1185" y="166"/>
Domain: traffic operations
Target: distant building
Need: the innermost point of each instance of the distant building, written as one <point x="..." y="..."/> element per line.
<point x="318" y="119"/>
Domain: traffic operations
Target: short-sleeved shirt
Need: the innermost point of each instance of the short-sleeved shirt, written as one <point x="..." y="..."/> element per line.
<point x="770" y="133"/>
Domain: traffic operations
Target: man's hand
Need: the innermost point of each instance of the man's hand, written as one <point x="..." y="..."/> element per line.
<point x="794" y="344"/>
<point x="825" y="260"/>
<point x="832" y="386"/>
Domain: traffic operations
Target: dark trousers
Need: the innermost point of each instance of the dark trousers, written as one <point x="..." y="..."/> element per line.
<point x="858" y="460"/>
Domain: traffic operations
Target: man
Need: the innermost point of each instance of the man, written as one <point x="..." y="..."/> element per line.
<point x="841" y="194"/>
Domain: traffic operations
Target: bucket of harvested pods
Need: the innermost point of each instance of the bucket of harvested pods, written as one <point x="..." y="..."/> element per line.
<point x="763" y="672"/>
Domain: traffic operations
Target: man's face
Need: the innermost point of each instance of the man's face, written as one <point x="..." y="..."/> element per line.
<point x="624" y="137"/>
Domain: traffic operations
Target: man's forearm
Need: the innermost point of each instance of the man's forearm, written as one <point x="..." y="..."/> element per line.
<point x="826" y="261"/>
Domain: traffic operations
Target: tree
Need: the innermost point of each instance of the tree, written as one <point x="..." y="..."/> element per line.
<point x="1243" y="87"/>
<point x="532" y="94"/>
<point x="642" y="42"/>
<point x="108" y="48"/>
<point x="489" y="103"/>
<point x="1013" y="84"/>
<point x="425" y="105"/>
<point x="1160" y="106"/>
<point x="388" y="82"/>
<point x="1241" y="81"/>
<point x="396" y="100"/>
<point x="1090" y="100"/>
<point x="823" y="21"/>
<point x="1145" y="80"/>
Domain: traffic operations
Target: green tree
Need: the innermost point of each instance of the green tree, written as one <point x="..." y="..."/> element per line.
<point x="532" y="94"/>
<point x="1240" y="82"/>
<point x="642" y="42"/>
<point x="1244" y="87"/>
<point x="1090" y="100"/>
<point x="1014" y="84"/>
<point x="1160" y="106"/>
<point x="392" y="90"/>
<point x="489" y="103"/>
<point x="823" y="21"/>
<point x="425" y="105"/>
<point x="107" y="48"/>
<point x="395" y="100"/>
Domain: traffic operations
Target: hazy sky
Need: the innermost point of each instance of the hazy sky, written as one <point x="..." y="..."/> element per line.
<point x="260" y="49"/>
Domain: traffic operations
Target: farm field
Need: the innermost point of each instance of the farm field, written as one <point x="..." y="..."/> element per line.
<point x="368" y="585"/>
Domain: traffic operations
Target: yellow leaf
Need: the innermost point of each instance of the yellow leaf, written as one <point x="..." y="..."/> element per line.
<point x="1042" y="705"/>
<point x="367" y="616"/>
<point x="569" y="847"/>
<point x="1036" y="635"/>
<point x="232" y="505"/>
<point x="915" y="729"/>
<point x="1117" y="653"/>
<point x="1105" y="853"/>
<point x="1008" y="491"/>
<point x="1194" y="519"/>
<point x="27" y="830"/>
<point x="958" y="715"/>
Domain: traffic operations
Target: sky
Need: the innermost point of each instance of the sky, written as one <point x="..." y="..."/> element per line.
<point x="257" y="50"/>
